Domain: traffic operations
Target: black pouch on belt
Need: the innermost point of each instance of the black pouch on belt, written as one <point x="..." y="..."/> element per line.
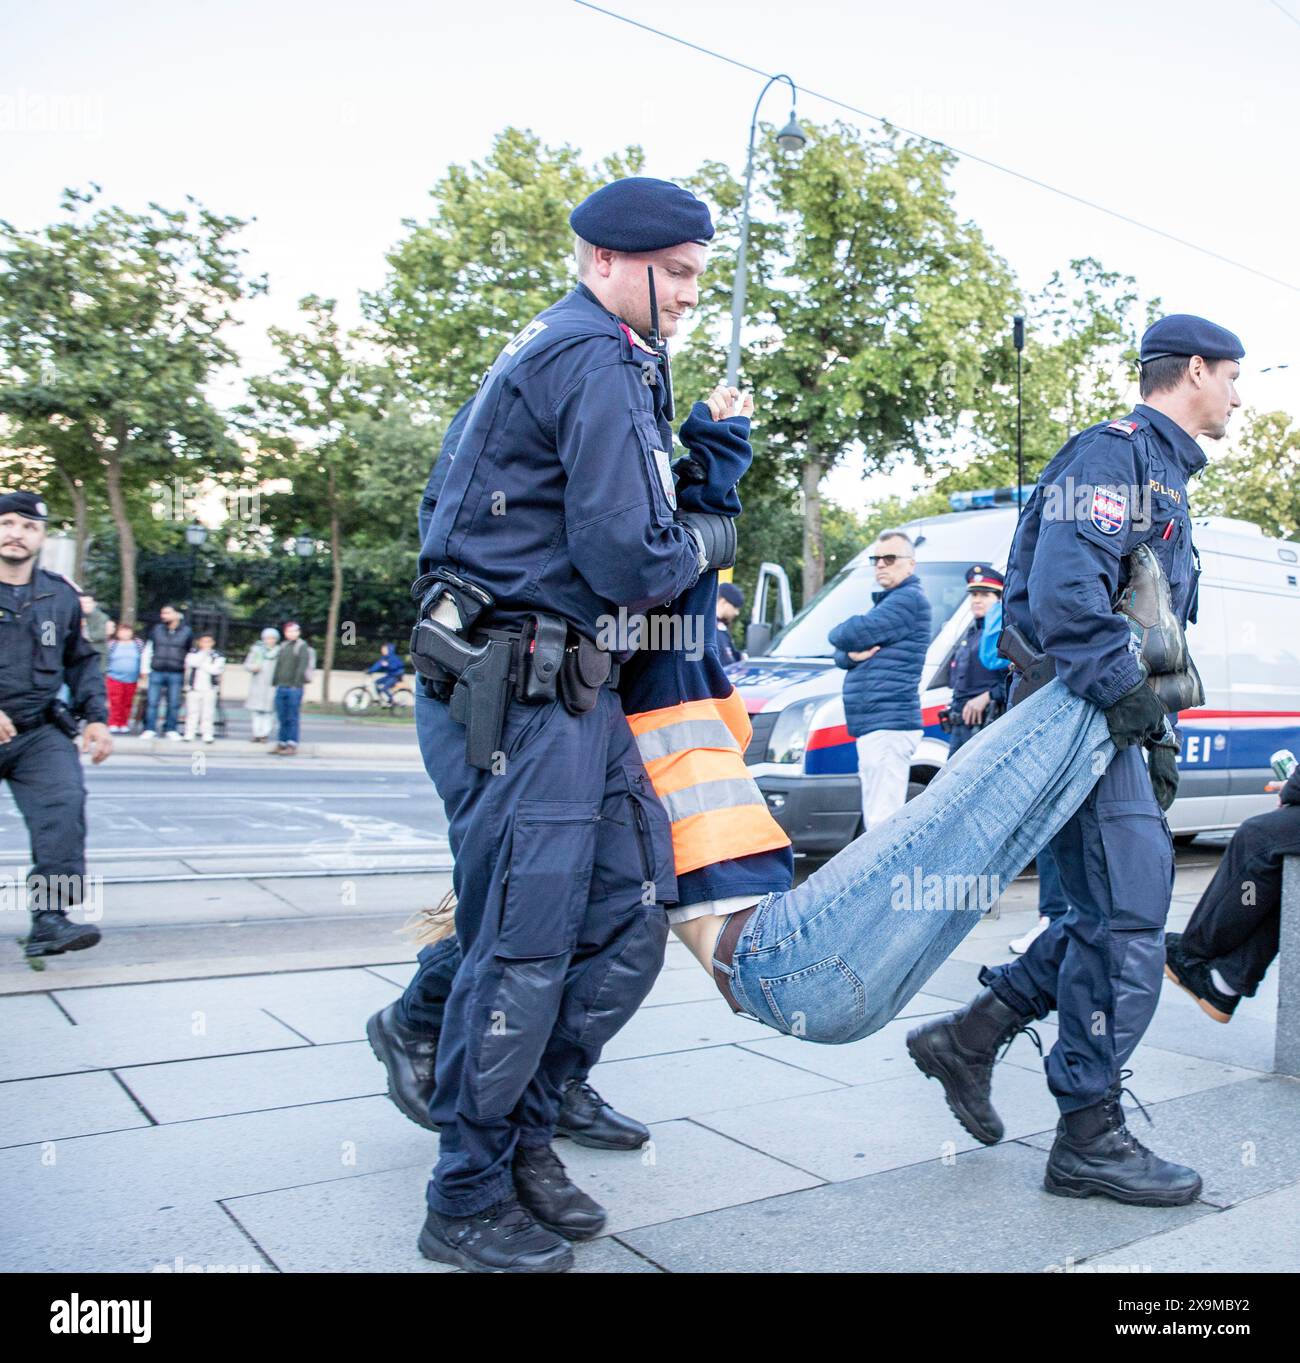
<point x="542" y="656"/>
<point x="586" y="669"/>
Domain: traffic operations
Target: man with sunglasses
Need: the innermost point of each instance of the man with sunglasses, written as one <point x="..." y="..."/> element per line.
<point x="884" y="653"/>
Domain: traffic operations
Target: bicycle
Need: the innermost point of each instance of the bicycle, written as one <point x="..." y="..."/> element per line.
<point x="360" y="698"/>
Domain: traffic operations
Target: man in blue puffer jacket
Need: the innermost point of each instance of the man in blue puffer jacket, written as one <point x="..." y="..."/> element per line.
<point x="884" y="652"/>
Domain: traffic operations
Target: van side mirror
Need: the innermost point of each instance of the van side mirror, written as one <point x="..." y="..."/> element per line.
<point x="758" y="638"/>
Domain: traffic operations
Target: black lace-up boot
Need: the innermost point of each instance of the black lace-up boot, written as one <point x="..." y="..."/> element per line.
<point x="960" y="1050"/>
<point x="1095" y="1153"/>
<point x="586" y="1118"/>
<point x="409" y="1057"/>
<point x="502" y="1239"/>
<point x="548" y="1193"/>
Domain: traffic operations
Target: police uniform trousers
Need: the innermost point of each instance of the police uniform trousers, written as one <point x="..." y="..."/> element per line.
<point x="1100" y="965"/>
<point x="960" y="733"/>
<point x="562" y="857"/>
<point x="43" y="770"/>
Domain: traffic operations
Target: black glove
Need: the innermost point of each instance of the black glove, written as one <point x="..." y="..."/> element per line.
<point x="1135" y="717"/>
<point x="1162" y="764"/>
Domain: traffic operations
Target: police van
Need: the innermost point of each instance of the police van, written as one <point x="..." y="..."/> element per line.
<point x="1246" y="643"/>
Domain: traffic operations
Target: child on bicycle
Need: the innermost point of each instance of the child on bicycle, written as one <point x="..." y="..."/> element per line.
<point x="390" y="669"/>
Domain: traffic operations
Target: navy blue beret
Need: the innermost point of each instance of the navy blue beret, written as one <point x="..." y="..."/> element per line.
<point x="638" y="215"/>
<point x="728" y="591"/>
<point x="29" y="504"/>
<point x="1182" y="334"/>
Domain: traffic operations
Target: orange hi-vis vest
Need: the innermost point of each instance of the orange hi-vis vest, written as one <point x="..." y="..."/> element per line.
<point x="694" y="753"/>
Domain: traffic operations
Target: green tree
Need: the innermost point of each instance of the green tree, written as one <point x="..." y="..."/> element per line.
<point x="497" y="250"/>
<point x="1079" y="361"/>
<point x="1260" y="480"/>
<point x="875" y="310"/>
<point x="328" y="421"/>
<point x="111" y="326"/>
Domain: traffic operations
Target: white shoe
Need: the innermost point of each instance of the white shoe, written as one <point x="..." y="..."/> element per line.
<point x="173" y="735"/>
<point x="209" y="740"/>
<point x="1022" y="944"/>
<point x="148" y="733"/>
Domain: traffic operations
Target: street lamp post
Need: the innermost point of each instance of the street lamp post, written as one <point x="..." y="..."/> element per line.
<point x="304" y="547"/>
<point x="196" y="536"/>
<point x="791" y="138"/>
<point x="1018" y="337"/>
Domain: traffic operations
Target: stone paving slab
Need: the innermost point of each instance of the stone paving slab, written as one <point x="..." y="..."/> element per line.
<point x="682" y="1027"/>
<point x="370" y="1225"/>
<point x="99" y="1178"/>
<point x="1258" y="1236"/>
<point x="315" y="895"/>
<point x="930" y="1217"/>
<point x="69" y="1105"/>
<point x="848" y="1133"/>
<point x="882" y="1055"/>
<point x="1180" y="1025"/>
<point x="133" y="1241"/>
<point x="681" y="986"/>
<point x="24" y="1017"/>
<point x="1243" y="1139"/>
<point x="192" y="1089"/>
<point x="699" y="1081"/>
<point x="155" y="905"/>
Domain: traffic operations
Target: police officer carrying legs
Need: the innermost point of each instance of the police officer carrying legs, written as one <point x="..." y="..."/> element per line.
<point x="973" y="685"/>
<point x="41" y="648"/>
<point x="404" y="1035"/>
<point x="1113" y="487"/>
<point x="558" y="510"/>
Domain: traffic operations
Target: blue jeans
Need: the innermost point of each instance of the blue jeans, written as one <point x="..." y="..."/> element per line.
<point x="288" y="702"/>
<point x="160" y="682"/>
<point x="836" y="958"/>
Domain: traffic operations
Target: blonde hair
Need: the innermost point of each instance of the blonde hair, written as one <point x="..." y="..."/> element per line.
<point x="428" y="926"/>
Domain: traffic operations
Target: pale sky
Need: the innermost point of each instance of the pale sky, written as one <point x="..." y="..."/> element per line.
<point x="329" y="122"/>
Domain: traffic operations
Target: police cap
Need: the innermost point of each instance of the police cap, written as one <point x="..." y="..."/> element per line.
<point x="639" y="215"/>
<point x="980" y="578"/>
<point x="29" y="504"/>
<point x="1182" y="334"/>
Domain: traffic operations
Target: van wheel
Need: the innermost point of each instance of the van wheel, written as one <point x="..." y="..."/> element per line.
<point x="914" y="788"/>
<point x="1184" y="839"/>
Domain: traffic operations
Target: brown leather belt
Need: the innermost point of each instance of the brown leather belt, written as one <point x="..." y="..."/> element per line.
<point x="725" y="951"/>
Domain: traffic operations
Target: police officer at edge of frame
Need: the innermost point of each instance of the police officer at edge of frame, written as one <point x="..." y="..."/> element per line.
<point x="558" y="511"/>
<point x="1113" y="487"/>
<point x="41" y="648"/>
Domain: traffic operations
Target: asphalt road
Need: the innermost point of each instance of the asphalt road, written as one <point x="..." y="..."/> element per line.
<point x="152" y="817"/>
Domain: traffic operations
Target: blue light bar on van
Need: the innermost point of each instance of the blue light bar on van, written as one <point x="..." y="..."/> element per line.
<point x="984" y="498"/>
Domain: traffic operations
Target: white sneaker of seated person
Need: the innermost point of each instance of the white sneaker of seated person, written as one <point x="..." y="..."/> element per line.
<point x="1022" y="944"/>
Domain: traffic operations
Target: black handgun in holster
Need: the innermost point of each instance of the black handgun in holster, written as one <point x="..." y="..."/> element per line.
<point x="473" y="679"/>
<point x="63" y="719"/>
<point x="945" y="719"/>
<point x="1033" y="669"/>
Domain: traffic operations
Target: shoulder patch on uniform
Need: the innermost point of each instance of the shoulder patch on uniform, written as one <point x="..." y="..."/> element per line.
<point x="1128" y="428"/>
<point x="532" y="330"/>
<point x="1109" y="510"/>
<point x="635" y="341"/>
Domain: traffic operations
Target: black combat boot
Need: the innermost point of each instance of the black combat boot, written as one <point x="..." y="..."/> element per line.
<point x="409" y="1057"/>
<point x="547" y="1192"/>
<point x="53" y="933"/>
<point x="1095" y="1152"/>
<point x="502" y="1239"/>
<point x="960" y="1050"/>
<point x="586" y="1118"/>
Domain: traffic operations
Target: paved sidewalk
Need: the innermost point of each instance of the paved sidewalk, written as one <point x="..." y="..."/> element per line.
<point x="240" y="1121"/>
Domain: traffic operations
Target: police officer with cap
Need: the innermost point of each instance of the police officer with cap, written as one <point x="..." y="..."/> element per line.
<point x="42" y="648"/>
<point x="973" y="684"/>
<point x="558" y="511"/>
<point x="731" y="601"/>
<point x="1113" y="487"/>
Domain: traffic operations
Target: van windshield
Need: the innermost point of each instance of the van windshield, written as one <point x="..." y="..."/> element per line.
<point x="849" y="593"/>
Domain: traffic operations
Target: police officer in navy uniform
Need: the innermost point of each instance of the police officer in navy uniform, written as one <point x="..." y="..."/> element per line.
<point x="42" y="648"/>
<point x="404" y="1035"/>
<point x="731" y="601"/>
<point x="974" y="686"/>
<point x="559" y="505"/>
<point x="1115" y="486"/>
